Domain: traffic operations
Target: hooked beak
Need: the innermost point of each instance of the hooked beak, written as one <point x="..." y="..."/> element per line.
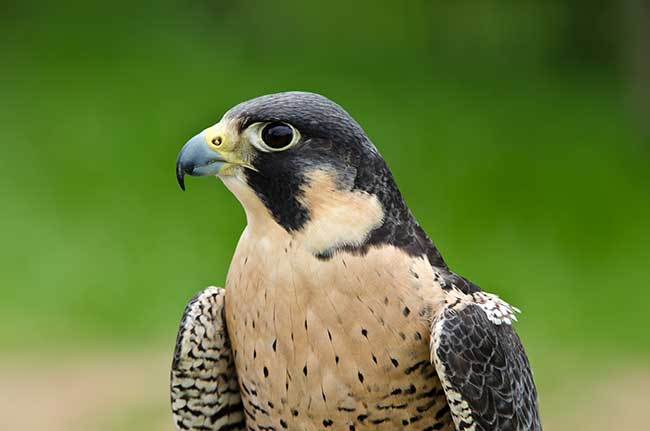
<point x="197" y="159"/>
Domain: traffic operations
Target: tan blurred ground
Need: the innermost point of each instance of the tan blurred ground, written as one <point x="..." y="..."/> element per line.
<point x="128" y="391"/>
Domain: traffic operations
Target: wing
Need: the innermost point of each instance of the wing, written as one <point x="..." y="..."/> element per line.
<point x="204" y="389"/>
<point x="483" y="368"/>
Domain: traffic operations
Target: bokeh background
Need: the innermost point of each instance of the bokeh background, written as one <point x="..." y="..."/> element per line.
<point x="517" y="130"/>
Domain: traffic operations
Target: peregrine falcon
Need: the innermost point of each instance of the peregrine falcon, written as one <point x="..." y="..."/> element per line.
<point x="338" y="311"/>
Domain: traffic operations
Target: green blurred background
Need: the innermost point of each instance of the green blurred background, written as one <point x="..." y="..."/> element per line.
<point x="517" y="130"/>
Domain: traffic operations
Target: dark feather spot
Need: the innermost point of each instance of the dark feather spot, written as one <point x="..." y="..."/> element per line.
<point x="440" y="413"/>
<point x="423" y="408"/>
<point x="379" y="421"/>
<point x="414" y="367"/>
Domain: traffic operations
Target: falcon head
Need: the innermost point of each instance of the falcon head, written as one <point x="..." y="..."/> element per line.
<point x="299" y="161"/>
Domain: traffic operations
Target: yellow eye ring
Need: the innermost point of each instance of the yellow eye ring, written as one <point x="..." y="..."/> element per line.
<point x="217" y="141"/>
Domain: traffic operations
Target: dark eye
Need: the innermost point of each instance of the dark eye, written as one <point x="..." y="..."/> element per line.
<point x="277" y="135"/>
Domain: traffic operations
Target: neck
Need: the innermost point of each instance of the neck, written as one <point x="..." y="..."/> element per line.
<point x="336" y="219"/>
<point x="350" y="219"/>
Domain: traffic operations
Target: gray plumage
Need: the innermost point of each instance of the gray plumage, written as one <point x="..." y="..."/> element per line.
<point x="484" y="371"/>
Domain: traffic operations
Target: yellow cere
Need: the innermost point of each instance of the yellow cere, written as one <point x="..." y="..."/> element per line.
<point x="224" y="139"/>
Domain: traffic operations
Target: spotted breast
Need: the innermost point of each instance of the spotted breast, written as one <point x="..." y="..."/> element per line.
<point x="340" y="343"/>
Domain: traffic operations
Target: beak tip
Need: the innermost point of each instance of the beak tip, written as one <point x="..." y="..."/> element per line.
<point x="180" y="177"/>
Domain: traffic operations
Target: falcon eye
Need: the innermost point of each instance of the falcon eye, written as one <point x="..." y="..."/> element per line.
<point x="274" y="136"/>
<point x="277" y="135"/>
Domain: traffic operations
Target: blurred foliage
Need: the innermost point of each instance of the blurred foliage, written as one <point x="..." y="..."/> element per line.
<point x="506" y="124"/>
